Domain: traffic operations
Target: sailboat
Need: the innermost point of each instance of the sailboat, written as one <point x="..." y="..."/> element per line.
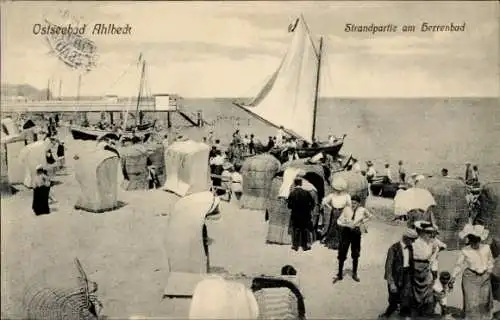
<point x="142" y="130"/>
<point x="289" y="100"/>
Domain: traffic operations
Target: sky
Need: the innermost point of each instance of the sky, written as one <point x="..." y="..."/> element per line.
<point x="230" y="49"/>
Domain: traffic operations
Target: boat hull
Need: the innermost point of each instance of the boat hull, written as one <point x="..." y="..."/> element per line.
<point x="82" y="133"/>
<point x="330" y="149"/>
<point x="86" y="133"/>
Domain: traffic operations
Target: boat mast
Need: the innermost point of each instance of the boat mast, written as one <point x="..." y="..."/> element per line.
<point x="79" y="87"/>
<point x="48" y="89"/>
<point x="316" y="93"/>
<point x="140" y="91"/>
<point x="60" y="89"/>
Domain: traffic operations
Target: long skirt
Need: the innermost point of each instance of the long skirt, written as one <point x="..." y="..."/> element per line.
<point x="423" y="294"/>
<point x="478" y="298"/>
<point x="41" y="200"/>
<point x="332" y="230"/>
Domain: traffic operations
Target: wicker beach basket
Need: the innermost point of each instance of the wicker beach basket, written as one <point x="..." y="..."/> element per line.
<point x="61" y="293"/>
<point x="97" y="176"/>
<point x="489" y="212"/>
<point x="356" y="184"/>
<point x="278" y="298"/>
<point x="134" y="160"/>
<point x="5" y="188"/>
<point x="495" y="279"/>
<point x="277" y="209"/>
<point x="156" y="154"/>
<point x="258" y="173"/>
<point x="278" y="231"/>
<point x="316" y="174"/>
<point x="451" y="211"/>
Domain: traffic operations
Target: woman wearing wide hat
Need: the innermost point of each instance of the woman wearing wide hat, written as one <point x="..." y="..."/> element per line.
<point x="478" y="261"/>
<point x="424" y="250"/>
<point x="333" y="205"/>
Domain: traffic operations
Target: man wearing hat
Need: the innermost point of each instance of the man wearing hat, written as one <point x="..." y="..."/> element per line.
<point x="398" y="267"/>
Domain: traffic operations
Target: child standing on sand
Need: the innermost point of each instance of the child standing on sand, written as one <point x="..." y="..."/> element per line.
<point x="441" y="288"/>
<point x="438" y="246"/>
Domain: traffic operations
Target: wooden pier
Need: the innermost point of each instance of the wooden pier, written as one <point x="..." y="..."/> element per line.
<point x="97" y="106"/>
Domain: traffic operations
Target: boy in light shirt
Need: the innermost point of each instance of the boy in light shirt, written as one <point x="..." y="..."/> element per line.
<point x="442" y="288"/>
<point x="438" y="247"/>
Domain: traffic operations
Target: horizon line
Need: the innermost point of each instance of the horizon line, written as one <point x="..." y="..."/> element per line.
<point x="240" y="97"/>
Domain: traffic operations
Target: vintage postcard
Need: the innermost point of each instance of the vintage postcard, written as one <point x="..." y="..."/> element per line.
<point x="250" y="160"/>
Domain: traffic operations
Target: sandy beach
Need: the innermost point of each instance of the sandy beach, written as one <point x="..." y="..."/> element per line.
<point x="123" y="251"/>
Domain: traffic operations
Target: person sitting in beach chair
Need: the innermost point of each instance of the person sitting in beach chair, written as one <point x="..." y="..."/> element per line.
<point x="279" y="297"/>
<point x="226" y="180"/>
<point x="154" y="182"/>
<point x="237" y="182"/>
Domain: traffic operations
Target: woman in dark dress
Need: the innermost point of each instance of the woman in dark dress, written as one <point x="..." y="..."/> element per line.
<point x="41" y="191"/>
<point x="333" y="205"/>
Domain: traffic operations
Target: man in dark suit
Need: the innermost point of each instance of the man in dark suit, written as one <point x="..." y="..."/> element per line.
<point x="398" y="271"/>
<point x="301" y="204"/>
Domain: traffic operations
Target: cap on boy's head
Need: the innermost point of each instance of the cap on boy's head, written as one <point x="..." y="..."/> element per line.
<point x="356" y="198"/>
<point x="444" y="276"/>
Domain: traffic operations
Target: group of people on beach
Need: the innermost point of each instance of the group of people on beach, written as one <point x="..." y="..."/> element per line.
<point x="416" y="288"/>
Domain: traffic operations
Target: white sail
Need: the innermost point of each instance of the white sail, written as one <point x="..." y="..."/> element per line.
<point x="288" y="99"/>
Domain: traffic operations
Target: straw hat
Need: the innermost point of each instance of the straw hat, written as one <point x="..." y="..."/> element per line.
<point x="39" y="167"/>
<point x="474" y="230"/>
<point x="410" y="233"/>
<point x="425" y="226"/>
<point x="339" y="184"/>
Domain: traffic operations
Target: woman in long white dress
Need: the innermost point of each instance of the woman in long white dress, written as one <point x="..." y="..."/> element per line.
<point x="478" y="261"/>
<point x="333" y="204"/>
